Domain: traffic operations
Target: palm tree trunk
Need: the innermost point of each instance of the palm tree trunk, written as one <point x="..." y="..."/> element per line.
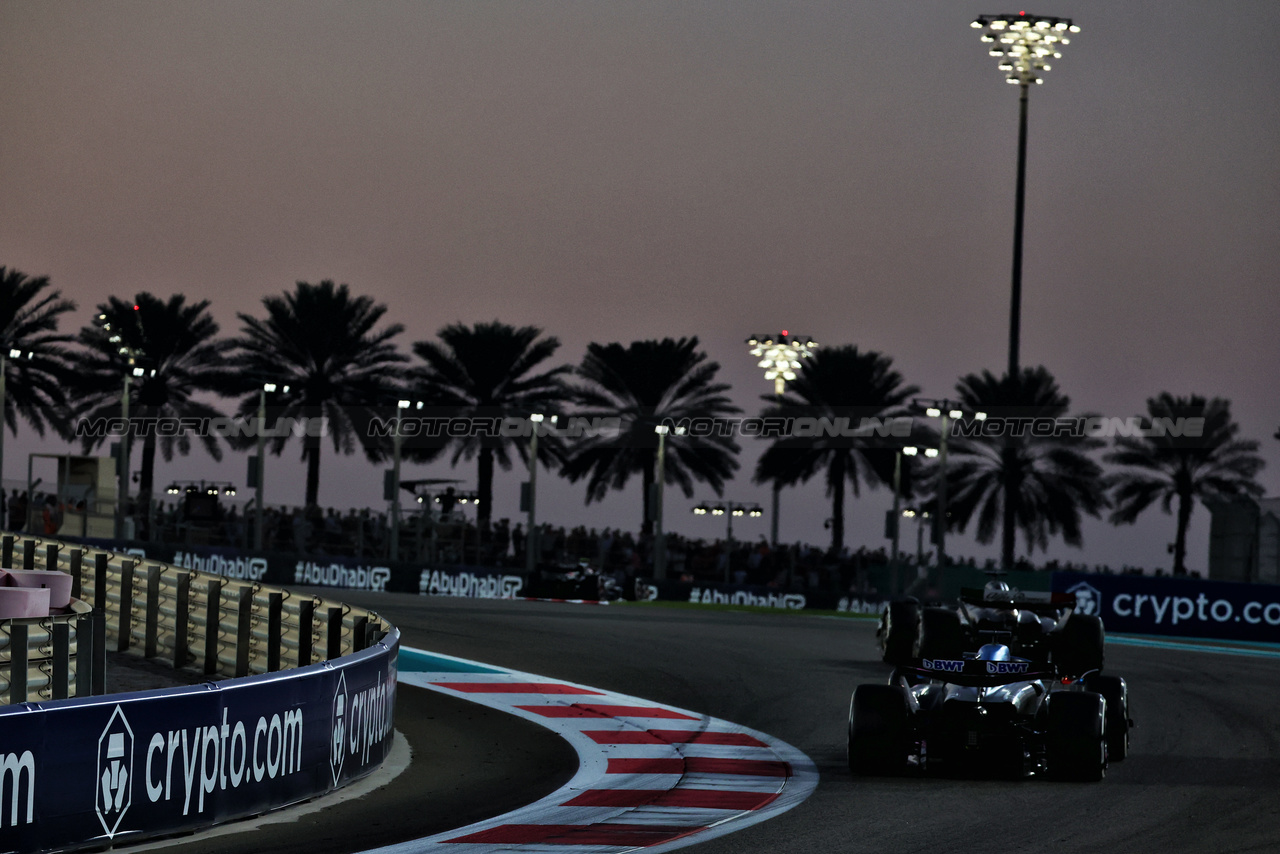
<point x="313" y="471"/>
<point x="1180" y="540"/>
<point x="484" y="475"/>
<point x="837" y="504"/>
<point x="146" y="481"/>
<point x="312" y="446"/>
<point x="1009" y="533"/>
<point x="647" y="477"/>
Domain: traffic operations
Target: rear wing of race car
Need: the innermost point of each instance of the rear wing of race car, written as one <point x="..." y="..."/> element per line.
<point x="976" y="674"/>
<point x="1043" y="604"/>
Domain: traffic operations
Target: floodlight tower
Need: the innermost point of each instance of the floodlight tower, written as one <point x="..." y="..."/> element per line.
<point x="780" y="356"/>
<point x="1023" y="44"/>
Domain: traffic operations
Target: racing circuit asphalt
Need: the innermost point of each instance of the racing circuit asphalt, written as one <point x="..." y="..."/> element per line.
<point x="1202" y="775"/>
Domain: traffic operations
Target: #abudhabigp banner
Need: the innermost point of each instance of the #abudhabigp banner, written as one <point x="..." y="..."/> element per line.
<point x="337" y="572"/>
<point x="1184" y="607"/>
<point x="756" y="596"/>
<point x="106" y="771"/>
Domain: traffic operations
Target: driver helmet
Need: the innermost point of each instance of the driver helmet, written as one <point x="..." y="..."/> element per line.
<point x="996" y="591"/>
<point x="994" y="652"/>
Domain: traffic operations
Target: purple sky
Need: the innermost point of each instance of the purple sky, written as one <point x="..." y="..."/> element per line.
<point x="625" y="170"/>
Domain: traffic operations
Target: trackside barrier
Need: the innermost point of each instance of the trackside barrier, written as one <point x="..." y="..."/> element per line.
<point x="187" y="618"/>
<point x="1183" y="607"/>
<point x="311" y="709"/>
<point x="753" y="595"/>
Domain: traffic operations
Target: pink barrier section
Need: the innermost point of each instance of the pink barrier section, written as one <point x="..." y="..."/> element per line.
<point x="57" y="583"/>
<point x="28" y="593"/>
<point x="21" y="602"/>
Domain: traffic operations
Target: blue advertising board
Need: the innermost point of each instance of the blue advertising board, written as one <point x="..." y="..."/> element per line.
<point x="110" y="770"/>
<point x="345" y="573"/>
<point x="1177" y="606"/>
<point x="755" y="596"/>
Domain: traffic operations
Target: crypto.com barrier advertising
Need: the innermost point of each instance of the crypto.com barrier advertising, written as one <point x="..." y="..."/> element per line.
<point x="109" y="770"/>
<point x="1177" y="606"/>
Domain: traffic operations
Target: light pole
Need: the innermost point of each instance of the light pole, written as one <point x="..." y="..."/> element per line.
<point x="401" y="406"/>
<point x="910" y="451"/>
<point x="659" y="537"/>
<point x="125" y="447"/>
<point x="780" y="356"/>
<point x="1023" y="44"/>
<point x="130" y="354"/>
<point x="729" y="510"/>
<point x="13" y="353"/>
<point x="945" y="410"/>
<point x="531" y="537"/>
<point x="260" y="474"/>
<point x="919" y="516"/>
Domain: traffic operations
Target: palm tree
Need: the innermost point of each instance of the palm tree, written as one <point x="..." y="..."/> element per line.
<point x="1017" y="480"/>
<point x="321" y="342"/>
<point x="32" y="351"/>
<point x="1163" y="466"/>
<point x="843" y="385"/>
<point x="167" y="351"/>
<point x="642" y="385"/>
<point x="486" y="372"/>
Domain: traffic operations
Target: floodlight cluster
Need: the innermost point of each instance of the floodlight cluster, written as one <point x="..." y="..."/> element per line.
<point x="1024" y="43"/>
<point x="752" y="510"/>
<point x="780" y="356"/>
<point x="191" y="487"/>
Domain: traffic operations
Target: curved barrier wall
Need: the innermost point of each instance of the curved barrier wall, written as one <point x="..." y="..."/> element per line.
<point x="1181" y="607"/>
<point x="100" y="770"/>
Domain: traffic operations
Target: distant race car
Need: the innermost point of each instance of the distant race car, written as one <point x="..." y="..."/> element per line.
<point x="1045" y="628"/>
<point x="989" y="712"/>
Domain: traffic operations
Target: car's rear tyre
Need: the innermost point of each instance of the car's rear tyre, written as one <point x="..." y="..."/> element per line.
<point x="900" y="631"/>
<point x="879" y="730"/>
<point x="1075" y="737"/>
<point x="1079" y="646"/>
<point x="941" y="634"/>
<point x="1116" y="692"/>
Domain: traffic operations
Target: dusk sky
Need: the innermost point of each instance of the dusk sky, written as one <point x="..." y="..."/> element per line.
<point x="614" y="171"/>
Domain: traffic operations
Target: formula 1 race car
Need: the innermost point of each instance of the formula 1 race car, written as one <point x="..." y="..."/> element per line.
<point x="990" y="712"/>
<point x="1045" y="628"/>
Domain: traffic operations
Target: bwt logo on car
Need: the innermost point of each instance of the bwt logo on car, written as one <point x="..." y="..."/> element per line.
<point x="942" y="664"/>
<point x="1007" y="666"/>
<point x="239" y="568"/>
<point x="12" y="769"/>
<point x="221" y="756"/>
<point x="1088" y="598"/>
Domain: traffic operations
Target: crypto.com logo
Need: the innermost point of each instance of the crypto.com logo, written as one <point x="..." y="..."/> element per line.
<point x="337" y="750"/>
<point x="114" y="789"/>
<point x="1088" y="599"/>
